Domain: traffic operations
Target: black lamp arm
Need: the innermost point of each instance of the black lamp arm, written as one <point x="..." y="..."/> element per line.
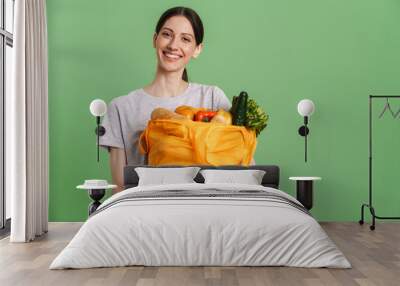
<point x="100" y="131"/>
<point x="303" y="131"/>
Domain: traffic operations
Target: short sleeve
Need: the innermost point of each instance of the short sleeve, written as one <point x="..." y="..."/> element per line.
<point x="112" y="124"/>
<point x="220" y="99"/>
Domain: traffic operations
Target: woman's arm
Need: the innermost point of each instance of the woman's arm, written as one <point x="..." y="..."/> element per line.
<point x="117" y="164"/>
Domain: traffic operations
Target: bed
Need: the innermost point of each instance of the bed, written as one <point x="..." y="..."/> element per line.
<point x="198" y="224"/>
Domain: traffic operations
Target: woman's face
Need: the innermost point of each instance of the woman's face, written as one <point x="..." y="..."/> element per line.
<point x="175" y="44"/>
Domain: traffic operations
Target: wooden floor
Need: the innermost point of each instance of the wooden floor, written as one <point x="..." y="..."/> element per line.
<point x="375" y="257"/>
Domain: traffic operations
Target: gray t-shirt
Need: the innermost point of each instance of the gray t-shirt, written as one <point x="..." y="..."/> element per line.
<point x="129" y="114"/>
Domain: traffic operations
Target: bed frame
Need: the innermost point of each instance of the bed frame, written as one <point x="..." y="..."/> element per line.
<point x="270" y="179"/>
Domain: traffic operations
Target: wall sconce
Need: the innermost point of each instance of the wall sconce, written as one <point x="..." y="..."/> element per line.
<point x="305" y="108"/>
<point x="98" y="108"/>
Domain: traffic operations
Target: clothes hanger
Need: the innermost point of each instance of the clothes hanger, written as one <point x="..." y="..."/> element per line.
<point x="397" y="113"/>
<point x="387" y="106"/>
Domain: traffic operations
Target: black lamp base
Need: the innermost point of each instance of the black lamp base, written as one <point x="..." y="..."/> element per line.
<point x="96" y="195"/>
<point x="100" y="130"/>
<point x="303" y="131"/>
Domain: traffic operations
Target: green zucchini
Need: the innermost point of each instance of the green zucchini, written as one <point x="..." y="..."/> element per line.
<point x="234" y="104"/>
<point x="239" y="112"/>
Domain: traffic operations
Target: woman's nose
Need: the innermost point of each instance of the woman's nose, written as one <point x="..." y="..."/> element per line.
<point x="173" y="43"/>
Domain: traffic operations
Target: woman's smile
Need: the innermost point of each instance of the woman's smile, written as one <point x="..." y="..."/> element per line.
<point x="171" y="56"/>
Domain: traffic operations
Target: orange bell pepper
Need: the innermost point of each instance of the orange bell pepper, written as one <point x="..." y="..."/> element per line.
<point x="204" y="116"/>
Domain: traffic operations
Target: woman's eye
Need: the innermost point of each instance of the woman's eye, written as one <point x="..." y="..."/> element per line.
<point x="166" y="34"/>
<point x="186" y="40"/>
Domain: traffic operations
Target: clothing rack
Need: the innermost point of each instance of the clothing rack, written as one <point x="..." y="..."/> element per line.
<point x="369" y="205"/>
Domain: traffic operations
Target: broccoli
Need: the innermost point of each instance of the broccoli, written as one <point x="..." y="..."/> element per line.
<point x="256" y="118"/>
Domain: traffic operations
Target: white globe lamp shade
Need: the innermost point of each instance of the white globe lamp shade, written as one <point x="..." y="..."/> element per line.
<point x="305" y="107"/>
<point x="98" y="107"/>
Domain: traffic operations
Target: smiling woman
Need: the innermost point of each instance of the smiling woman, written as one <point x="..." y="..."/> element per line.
<point x="182" y="33"/>
<point x="178" y="39"/>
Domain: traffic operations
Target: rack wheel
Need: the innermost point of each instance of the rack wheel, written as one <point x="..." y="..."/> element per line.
<point x="361" y="222"/>
<point x="372" y="227"/>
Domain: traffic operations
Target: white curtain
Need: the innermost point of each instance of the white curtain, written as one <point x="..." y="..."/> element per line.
<point x="27" y="124"/>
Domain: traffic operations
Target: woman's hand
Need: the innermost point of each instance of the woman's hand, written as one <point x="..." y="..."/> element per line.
<point x="117" y="164"/>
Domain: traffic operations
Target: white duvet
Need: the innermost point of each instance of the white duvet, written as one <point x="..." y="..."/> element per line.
<point x="200" y="231"/>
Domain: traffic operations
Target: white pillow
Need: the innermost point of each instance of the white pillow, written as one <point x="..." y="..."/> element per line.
<point x="248" y="177"/>
<point x="163" y="176"/>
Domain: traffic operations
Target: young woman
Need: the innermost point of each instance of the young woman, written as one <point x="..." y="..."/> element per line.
<point x="178" y="38"/>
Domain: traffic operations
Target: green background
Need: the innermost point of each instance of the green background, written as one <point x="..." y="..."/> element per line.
<point x="335" y="52"/>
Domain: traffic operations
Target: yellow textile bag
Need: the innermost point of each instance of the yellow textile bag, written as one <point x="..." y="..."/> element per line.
<point x="187" y="142"/>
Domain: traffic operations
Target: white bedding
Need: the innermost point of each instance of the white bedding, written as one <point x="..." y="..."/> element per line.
<point x="200" y="231"/>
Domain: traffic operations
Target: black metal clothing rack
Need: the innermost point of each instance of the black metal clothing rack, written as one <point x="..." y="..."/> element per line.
<point x="369" y="205"/>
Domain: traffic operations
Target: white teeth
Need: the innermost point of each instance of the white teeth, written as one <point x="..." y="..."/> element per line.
<point x="172" y="56"/>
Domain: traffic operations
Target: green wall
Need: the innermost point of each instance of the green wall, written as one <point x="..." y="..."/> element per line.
<point x="335" y="52"/>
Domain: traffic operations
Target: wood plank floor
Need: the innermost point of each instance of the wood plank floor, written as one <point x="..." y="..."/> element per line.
<point x="375" y="257"/>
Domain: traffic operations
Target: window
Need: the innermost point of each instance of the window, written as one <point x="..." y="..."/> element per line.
<point x="6" y="62"/>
